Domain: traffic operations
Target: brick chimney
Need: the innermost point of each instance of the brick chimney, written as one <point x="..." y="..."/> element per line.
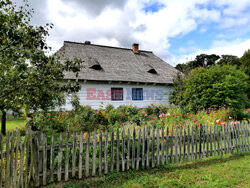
<point x="135" y="48"/>
<point x="87" y="42"/>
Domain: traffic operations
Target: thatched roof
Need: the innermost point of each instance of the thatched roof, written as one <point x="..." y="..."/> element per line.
<point x="105" y="63"/>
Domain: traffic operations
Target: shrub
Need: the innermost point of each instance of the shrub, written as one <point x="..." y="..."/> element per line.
<point x="213" y="87"/>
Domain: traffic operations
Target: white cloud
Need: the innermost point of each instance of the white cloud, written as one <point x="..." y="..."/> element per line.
<point x="120" y="23"/>
<point x="219" y="47"/>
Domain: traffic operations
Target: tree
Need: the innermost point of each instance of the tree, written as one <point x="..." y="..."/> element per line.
<point x="202" y="60"/>
<point x="28" y="77"/>
<point x="229" y="60"/>
<point x="245" y="62"/>
<point x="245" y="66"/>
<point x="215" y="86"/>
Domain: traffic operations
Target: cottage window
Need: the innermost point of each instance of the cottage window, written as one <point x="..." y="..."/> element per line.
<point x="116" y="94"/>
<point x="137" y="93"/>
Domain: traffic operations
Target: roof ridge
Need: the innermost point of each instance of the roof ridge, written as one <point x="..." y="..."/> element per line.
<point x="105" y="46"/>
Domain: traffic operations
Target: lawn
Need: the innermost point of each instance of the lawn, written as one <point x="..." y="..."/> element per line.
<point x="230" y="171"/>
<point x="13" y="124"/>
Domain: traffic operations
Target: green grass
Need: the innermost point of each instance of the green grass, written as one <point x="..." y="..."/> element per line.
<point x="13" y="124"/>
<point x="230" y="171"/>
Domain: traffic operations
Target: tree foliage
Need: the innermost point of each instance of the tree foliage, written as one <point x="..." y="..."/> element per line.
<point x="213" y="87"/>
<point x="29" y="77"/>
<point x="202" y="60"/>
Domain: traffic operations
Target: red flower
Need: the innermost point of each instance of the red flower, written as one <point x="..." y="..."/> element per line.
<point x="194" y="120"/>
<point x="154" y="118"/>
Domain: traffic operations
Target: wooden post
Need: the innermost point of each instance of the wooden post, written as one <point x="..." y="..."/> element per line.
<point x="80" y="156"/>
<point x="94" y="154"/>
<point x="184" y="144"/>
<point x="211" y="141"/>
<point x="153" y="149"/>
<point x="180" y="143"/>
<point x="133" y="149"/>
<point x="207" y="140"/>
<point x="203" y="142"/>
<point x="7" y="165"/>
<point x="112" y="152"/>
<point x="12" y="158"/>
<point x="106" y="153"/>
<point x="188" y="144"/>
<point x="100" y="153"/>
<point x="66" y="175"/>
<point x="52" y="158"/>
<point x="171" y="144"/>
<point x="196" y="144"/>
<point x="162" y="146"/>
<point x="1" y="160"/>
<point x="45" y="160"/>
<point x="167" y="144"/>
<point x="59" y="170"/>
<point x="158" y="146"/>
<point x="175" y="145"/>
<point x="123" y="150"/>
<point x="143" y="148"/>
<point x="117" y="151"/>
<point x="148" y="146"/>
<point x="128" y="150"/>
<point x="192" y="143"/>
<point x="74" y="156"/>
<point x="87" y="156"/>
<point x="215" y="140"/>
<point x="138" y="149"/>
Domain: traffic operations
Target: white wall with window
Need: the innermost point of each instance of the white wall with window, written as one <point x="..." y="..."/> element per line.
<point x="100" y="94"/>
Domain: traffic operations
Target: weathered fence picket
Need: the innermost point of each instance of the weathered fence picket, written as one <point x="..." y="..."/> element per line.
<point x="24" y="163"/>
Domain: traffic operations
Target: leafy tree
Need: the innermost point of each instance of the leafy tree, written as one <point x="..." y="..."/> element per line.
<point x="215" y="86"/>
<point x="245" y="62"/>
<point x="28" y="77"/>
<point x="176" y="96"/>
<point x="245" y="66"/>
<point x="202" y="60"/>
<point x="229" y="60"/>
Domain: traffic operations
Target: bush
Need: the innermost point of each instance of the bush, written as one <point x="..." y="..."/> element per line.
<point x="213" y="87"/>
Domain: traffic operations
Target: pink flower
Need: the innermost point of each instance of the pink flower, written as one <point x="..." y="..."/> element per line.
<point x="143" y="112"/>
<point x="229" y="117"/>
<point x="146" y="115"/>
<point x="194" y="120"/>
<point x="166" y="115"/>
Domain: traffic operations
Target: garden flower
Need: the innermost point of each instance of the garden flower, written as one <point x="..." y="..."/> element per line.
<point x="229" y="117"/>
<point x="194" y="120"/>
<point x="154" y="118"/>
<point x="146" y="115"/>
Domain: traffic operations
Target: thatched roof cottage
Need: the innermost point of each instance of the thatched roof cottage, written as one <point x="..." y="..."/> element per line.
<point x="119" y="76"/>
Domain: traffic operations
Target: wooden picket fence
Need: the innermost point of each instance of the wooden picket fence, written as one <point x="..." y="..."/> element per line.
<point x="37" y="159"/>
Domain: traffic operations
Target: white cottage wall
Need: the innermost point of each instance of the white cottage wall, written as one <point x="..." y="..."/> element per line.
<point x="99" y="95"/>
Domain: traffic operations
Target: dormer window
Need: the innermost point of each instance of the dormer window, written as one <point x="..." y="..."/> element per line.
<point x="93" y="64"/>
<point x="150" y="69"/>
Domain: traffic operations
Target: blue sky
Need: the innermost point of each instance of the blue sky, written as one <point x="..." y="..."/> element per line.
<point x="175" y="30"/>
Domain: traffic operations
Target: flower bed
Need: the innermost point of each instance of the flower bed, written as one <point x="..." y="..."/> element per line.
<point x="87" y="119"/>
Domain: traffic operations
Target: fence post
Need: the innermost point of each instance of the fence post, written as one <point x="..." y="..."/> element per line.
<point x="1" y="160"/>
<point x="138" y="149"/>
<point x="128" y="149"/>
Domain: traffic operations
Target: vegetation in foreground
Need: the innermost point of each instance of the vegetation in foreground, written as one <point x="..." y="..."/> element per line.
<point x="84" y="118"/>
<point x="230" y="171"/>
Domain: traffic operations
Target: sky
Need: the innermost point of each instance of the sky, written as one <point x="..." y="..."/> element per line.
<point x="175" y="30"/>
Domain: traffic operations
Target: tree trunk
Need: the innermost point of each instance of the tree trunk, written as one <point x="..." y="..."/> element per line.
<point x="3" y="130"/>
